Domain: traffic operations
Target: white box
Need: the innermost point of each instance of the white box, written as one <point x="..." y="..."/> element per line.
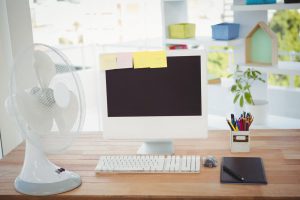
<point x="240" y="141"/>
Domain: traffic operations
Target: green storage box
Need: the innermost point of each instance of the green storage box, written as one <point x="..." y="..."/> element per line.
<point x="182" y="30"/>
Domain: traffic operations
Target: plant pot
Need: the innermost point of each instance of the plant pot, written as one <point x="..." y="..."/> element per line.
<point x="259" y="110"/>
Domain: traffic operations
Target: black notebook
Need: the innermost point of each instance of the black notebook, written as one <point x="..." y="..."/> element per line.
<point x="251" y="169"/>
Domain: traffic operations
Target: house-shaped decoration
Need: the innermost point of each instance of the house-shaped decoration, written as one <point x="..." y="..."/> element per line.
<point x="261" y="46"/>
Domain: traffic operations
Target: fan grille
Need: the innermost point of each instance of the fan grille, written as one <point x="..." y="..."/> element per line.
<point x="47" y="98"/>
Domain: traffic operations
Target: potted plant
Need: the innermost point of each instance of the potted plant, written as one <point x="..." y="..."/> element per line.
<point x="243" y="81"/>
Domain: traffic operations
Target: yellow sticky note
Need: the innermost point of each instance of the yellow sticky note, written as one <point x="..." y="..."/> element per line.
<point x="108" y="61"/>
<point x="140" y="60"/>
<point x="150" y="59"/>
<point x="157" y="59"/>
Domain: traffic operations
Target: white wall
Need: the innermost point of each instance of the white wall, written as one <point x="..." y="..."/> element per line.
<point x="90" y="87"/>
<point x="15" y="35"/>
<point x="282" y="101"/>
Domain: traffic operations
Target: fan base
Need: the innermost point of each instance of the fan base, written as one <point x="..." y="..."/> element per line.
<point x="41" y="189"/>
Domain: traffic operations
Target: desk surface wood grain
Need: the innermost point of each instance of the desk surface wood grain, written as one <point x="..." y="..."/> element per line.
<point x="280" y="150"/>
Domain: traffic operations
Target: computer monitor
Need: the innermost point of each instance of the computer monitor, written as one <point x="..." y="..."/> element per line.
<point x="157" y="104"/>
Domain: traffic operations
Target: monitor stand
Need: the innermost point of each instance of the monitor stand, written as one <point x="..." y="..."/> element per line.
<point x="160" y="147"/>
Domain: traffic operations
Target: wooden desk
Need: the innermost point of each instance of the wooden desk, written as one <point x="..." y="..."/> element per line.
<point x="280" y="150"/>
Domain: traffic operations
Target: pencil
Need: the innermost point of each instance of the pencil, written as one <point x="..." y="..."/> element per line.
<point x="231" y="126"/>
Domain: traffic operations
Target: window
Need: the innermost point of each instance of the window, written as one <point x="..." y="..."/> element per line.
<point x="286" y="25"/>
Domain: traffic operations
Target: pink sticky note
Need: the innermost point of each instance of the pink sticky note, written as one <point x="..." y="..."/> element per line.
<point x="124" y="60"/>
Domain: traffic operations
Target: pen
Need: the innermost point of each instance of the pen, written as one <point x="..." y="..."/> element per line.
<point x="247" y="125"/>
<point x="238" y="125"/>
<point x="232" y="119"/>
<point x="242" y="123"/>
<point x="233" y="174"/>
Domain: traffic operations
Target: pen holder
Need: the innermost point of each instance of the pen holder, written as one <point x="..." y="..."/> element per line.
<point x="240" y="141"/>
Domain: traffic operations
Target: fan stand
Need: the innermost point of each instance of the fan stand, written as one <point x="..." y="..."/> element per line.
<point x="40" y="177"/>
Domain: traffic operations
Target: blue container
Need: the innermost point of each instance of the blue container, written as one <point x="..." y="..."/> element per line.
<point x="251" y="2"/>
<point x="225" y="31"/>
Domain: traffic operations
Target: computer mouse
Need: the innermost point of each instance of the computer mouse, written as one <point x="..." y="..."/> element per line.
<point x="210" y="161"/>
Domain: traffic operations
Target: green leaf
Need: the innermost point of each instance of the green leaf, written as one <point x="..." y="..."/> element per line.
<point x="239" y="85"/>
<point x="248" y="98"/>
<point x="262" y="80"/>
<point x="230" y="75"/>
<point x="247" y="86"/>
<point x="236" y="98"/>
<point x="233" y="88"/>
<point x="241" y="101"/>
<point x="254" y="74"/>
<point x="258" y="72"/>
<point x="248" y="74"/>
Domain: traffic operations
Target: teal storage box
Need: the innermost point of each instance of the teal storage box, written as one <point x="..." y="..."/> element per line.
<point x="182" y="31"/>
<point x="252" y="2"/>
<point x="225" y="31"/>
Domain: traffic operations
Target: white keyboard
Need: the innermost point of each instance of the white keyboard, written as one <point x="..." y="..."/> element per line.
<point x="148" y="164"/>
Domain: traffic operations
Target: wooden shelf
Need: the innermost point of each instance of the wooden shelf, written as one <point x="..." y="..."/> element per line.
<point x="276" y="6"/>
<point x="206" y="41"/>
<point x="288" y="68"/>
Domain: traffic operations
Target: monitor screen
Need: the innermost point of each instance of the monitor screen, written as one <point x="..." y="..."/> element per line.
<point x="171" y="91"/>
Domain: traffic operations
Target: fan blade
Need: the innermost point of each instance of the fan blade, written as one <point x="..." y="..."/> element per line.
<point x="45" y="68"/>
<point x="66" y="117"/>
<point x="61" y="95"/>
<point x="34" y="113"/>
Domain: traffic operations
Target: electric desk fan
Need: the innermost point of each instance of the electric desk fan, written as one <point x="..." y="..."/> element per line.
<point x="46" y="99"/>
